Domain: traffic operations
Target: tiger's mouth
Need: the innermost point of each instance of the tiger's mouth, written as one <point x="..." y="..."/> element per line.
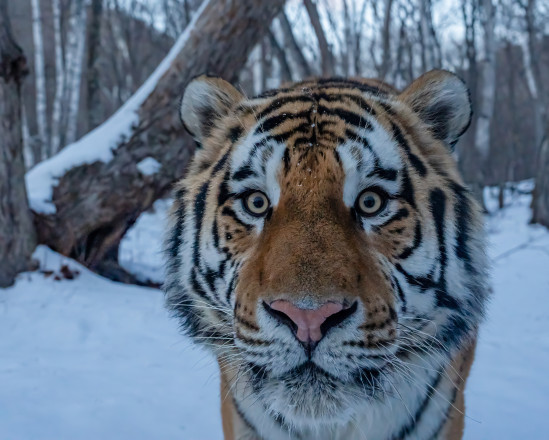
<point x="309" y="376"/>
<point x="308" y="394"/>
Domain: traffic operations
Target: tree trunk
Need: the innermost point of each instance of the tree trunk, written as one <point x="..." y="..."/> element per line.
<point x="293" y="47"/>
<point x="325" y="53"/>
<point x="40" y="78"/>
<point x="17" y="240"/>
<point x="76" y="72"/>
<point x="386" y="40"/>
<point x="92" y="85"/>
<point x="60" y="85"/>
<point x="486" y="97"/>
<point x="97" y="200"/>
<point x="540" y="203"/>
<point x="285" y="71"/>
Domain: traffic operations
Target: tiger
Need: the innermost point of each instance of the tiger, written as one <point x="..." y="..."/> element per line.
<point x="323" y="246"/>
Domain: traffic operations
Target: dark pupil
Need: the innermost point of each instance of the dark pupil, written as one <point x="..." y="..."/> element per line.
<point x="258" y="202"/>
<point x="369" y="201"/>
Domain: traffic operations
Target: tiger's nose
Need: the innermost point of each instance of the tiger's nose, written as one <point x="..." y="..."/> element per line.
<point x="309" y="325"/>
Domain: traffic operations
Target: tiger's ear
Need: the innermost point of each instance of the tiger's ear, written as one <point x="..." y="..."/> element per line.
<point x="442" y="101"/>
<point x="205" y="101"/>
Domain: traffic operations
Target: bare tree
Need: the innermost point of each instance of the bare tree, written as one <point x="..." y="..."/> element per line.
<point x="386" y="40"/>
<point x="285" y="71"/>
<point x="92" y="82"/>
<point x="96" y="202"/>
<point x="75" y="55"/>
<point x="540" y="203"/>
<point x="326" y="57"/>
<point x="430" y="47"/>
<point x="17" y="239"/>
<point x="291" y="44"/>
<point x="40" y="77"/>
<point x="55" y="141"/>
<point x="486" y="96"/>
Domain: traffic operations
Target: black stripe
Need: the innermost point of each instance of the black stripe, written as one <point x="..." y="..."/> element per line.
<point x="349" y="83"/>
<point x="341" y="97"/>
<point x="445" y="417"/>
<point x="274" y="121"/>
<point x="417" y="242"/>
<point x="423" y="282"/>
<point x="199" y="206"/>
<point x="349" y="117"/>
<point x="407" y="191"/>
<point x="280" y="102"/>
<point x="230" y="287"/>
<point x="243" y="173"/>
<point x="412" y="425"/>
<point x="244" y="419"/>
<point x="414" y="160"/>
<point x="235" y="133"/>
<point x="227" y="211"/>
<point x="437" y="204"/>
<point x="400" y="293"/>
<point x="462" y="209"/>
<point x="454" y="331"/>
<point x="402" y="213"/>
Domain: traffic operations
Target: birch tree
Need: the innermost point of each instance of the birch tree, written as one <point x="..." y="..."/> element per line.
<point x="486" y="96"/>
<point x="92" y="81"/>
<point x="290" y="43"/>
<point x="92" y="203"/>
<point x="40" y="78"/>
<point x="74" y="61"/>
<point x="17" y="238"/>
<point x="55" y="142"/>
<point x="326" y="57"/>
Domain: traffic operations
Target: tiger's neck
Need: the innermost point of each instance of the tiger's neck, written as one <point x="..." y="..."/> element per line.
<point x="426" y="402"/>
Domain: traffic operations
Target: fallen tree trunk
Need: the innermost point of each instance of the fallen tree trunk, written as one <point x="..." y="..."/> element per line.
<point x="87" y="196"/>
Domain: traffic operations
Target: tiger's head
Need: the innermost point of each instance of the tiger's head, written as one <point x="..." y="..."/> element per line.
<point x="323" y="239"/>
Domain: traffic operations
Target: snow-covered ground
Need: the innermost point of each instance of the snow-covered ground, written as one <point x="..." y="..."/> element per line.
<point x="90" y="359"/>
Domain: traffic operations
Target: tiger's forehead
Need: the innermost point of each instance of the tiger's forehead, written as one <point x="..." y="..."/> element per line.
<point x="330" y="128"/>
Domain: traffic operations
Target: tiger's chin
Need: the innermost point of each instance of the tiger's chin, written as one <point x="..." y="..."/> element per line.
<point x="308" y="397"/>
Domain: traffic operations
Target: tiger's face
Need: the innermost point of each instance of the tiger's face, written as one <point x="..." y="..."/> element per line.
<point x="323" y="240"/>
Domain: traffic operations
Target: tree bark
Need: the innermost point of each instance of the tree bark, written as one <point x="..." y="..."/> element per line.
<point x="487" y="98"/>
<point x="60" y="84"/>
<point x="285" y="71"/>
<point x="96" y="203"/>
<point x="326" y="57"/>
<point x="40" y="78"/>
<point x="92" y="85"/>
<point x="293" y="47"/>
<point x="77" y="58"/>
<point x="540" y="202"/>
<point x="17" y="240"/>
<point x="386" y="40"/>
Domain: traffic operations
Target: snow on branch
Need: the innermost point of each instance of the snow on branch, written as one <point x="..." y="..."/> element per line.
<point x="98" y="144"/>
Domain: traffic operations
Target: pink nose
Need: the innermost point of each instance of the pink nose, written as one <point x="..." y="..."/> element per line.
<point x="308" y="321"/>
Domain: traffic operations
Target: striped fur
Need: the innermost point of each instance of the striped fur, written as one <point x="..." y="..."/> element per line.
<point x="396" y="368"/>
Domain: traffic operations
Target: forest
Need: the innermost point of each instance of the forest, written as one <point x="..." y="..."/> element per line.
<point x="93" y="86"/>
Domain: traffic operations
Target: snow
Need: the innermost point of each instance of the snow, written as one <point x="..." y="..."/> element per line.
<point x="91" y="359"/>
<point x="140" y="250"/>
<point x="149" y="166"/>
<point x="98" y="144"/>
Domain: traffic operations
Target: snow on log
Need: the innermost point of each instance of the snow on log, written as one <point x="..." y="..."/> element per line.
<point x="89" y="194"/>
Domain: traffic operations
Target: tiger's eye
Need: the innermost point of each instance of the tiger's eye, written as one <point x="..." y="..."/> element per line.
<point x="370" y="202"/>
<point x="256" y="203"/>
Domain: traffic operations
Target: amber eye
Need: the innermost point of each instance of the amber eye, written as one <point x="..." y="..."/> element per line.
<point x="256" y="203"/>
<point x="370" y="202"/>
